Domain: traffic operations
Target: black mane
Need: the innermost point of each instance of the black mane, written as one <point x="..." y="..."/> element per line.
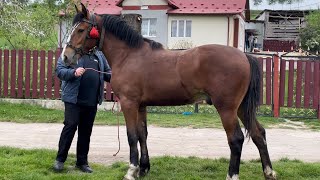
<point x="120" y="29"/>
<point x="77" y="18"/>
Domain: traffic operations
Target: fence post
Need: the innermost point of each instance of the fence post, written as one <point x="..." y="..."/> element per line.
<point x="196" y="108"/>
<point x="319" y="106"/>
<point x="276" y="107"/>
<point x="319" y="110"/>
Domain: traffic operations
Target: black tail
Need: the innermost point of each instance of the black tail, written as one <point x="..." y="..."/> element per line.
<point x="251" y="101"/>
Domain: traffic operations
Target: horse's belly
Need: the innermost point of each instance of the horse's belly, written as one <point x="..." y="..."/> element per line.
<point x="168" y="102"/>
<point x="168" y="97"/>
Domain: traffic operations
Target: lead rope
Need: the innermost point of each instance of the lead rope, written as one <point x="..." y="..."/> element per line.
<point x="119" y="110"/>
<point x="119" y="107"/>
<point x="95" y="70"/>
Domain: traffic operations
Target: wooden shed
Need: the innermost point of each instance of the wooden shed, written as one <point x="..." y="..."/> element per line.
<point x="282" y="28"/>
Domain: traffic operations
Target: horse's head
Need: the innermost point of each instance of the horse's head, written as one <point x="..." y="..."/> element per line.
<point x="83" y="37"/>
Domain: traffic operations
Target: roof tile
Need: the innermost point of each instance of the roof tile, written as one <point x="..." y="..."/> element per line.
<point x="179" y="6"/>
<point x="103" y="6"/>
<point x="209" y="7"/>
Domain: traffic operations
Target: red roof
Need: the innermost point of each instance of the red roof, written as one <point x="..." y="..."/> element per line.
<point x="170" y="2"/>
<point x="178" y="6"/>
<point x="209" y="7"/>
<point x="103" y="6"/>
<point x="173" y="4"/>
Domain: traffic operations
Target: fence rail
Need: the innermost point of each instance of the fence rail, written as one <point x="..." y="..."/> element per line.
<point x="30" y="74"/>
<point x="286" y="82"/>
<point x="291" y="84"/>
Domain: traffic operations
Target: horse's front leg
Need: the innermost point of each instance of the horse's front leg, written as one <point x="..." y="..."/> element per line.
<point x="130" y="111"/>
<point x="143" y="133"/>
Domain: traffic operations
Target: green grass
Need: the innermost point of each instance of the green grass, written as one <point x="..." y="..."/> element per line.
<point x="24" y="113"/>
<point x="37" y="164"/>
<point x="21" y="164"/>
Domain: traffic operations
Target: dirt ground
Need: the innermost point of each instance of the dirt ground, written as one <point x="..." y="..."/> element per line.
<point x="208" y="143"/>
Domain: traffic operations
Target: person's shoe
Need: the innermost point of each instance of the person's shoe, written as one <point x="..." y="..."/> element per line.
<point x="85" y="168"/>
<point x="58" y="166"/>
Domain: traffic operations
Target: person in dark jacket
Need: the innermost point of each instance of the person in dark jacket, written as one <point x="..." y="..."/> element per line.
<point x="82" y="90"/>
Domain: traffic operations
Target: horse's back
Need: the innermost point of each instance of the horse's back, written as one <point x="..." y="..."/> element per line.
<point x="212" y="59"/>
<point x="215" y="70"/>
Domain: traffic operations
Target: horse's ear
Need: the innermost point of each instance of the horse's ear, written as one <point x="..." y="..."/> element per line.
<point x="85" y="11"/>
<point x="77" y="10"/>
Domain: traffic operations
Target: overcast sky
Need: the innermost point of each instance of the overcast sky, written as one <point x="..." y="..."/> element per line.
<point x="304" y="5"/>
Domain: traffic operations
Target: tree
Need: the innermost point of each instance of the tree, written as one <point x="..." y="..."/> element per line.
<point x="310" y="36"/>
<point x="29" y="25"/>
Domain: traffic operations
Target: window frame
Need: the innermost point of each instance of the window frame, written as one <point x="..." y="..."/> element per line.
<point x="148" y="30"/>
<point x="176" y="34"/>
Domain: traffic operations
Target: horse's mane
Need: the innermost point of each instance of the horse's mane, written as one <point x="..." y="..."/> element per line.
<point x="153" y="44"/>
<point x="77" y="18"/>
<point x="119" y="28"/>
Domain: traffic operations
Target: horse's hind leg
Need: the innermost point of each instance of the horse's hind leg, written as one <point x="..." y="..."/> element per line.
<point x="235" y="139"/>
<point x="130" y="111"/>
<point x="142" y="134"/>
<point x="259" y="139"/>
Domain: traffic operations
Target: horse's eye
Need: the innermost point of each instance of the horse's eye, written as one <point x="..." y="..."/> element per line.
<point x="80" y="30"/>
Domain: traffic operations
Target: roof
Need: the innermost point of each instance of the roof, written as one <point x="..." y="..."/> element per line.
<point x="173" y="4"/>
<point x="170" y="2"/>
<point x="209" y="7"/>
<point x="103" y="6"/>
<point x="301" y="12"/>
<point x="178" y="6"/>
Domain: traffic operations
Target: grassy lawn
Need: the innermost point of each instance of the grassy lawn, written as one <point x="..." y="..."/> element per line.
<point x="23" y="113"/>
<point x="37" y="164"/>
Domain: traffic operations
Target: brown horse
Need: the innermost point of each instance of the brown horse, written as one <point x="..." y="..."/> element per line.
<point x="146" y="74"/>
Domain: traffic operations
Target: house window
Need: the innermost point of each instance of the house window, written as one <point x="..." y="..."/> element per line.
<point x="148" y="27"/>
<point x="181" y="28"/>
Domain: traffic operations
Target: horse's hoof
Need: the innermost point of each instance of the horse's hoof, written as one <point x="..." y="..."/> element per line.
<point x="270" y="174"/>
<point x="234" y="177"/>
<point x="143" y="172"/>
<point x="128" y="178"/>
<point x="132" y="172"/>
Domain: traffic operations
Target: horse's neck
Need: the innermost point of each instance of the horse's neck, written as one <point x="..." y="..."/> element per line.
<point x="115" y="50"/>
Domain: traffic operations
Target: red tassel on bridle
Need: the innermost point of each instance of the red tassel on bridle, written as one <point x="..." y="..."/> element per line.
<point x="94" y="33"/>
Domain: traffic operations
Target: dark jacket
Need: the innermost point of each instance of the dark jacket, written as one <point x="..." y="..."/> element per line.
<point x="71" y="83"/>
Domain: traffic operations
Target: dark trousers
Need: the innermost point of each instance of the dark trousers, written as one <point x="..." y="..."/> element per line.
<point x="81" y="117"/>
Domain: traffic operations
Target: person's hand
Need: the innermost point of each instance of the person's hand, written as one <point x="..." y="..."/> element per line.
<point x="79" y="72"/>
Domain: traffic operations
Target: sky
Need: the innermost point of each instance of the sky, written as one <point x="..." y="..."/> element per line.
<point x="304" y="5"/>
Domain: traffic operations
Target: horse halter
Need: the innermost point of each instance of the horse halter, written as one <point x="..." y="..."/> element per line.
<point x="92" y="33"/>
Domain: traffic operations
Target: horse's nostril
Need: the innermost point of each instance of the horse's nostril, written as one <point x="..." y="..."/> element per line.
<point x="65" y="60"/>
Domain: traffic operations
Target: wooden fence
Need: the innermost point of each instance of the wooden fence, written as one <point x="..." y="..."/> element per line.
<point x="290" y="82"/>
<point x="31" y="74"/>
<point x="286" y="82"/>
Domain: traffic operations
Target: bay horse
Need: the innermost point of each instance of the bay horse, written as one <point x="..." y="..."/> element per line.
<point x="146" y="74"/>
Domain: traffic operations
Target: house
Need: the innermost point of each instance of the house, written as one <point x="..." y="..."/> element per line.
<point x="182" y="24"/>
<point x="281" y="28"/>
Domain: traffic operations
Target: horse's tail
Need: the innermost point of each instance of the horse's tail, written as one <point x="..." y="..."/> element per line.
<point x="251" y="101"/>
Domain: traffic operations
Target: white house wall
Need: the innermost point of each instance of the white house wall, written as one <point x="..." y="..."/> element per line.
<point x="204" y="30"/>
<point x="231" y="30"/>
<point x="144" y="2"/>
<point x="64" y="31"/>
<point x="241" y="34"/>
